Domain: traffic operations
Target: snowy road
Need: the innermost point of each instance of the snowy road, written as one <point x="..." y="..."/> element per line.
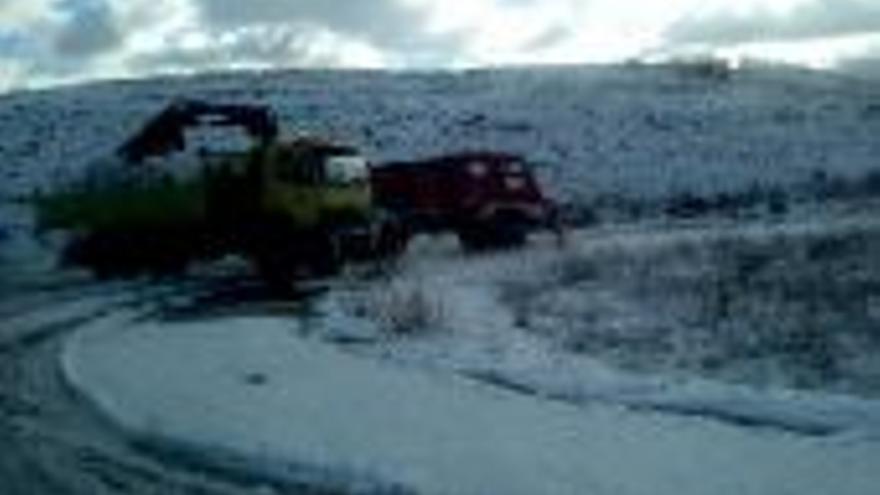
<point x="253" y="396"/>
<point x="52" y="442"/>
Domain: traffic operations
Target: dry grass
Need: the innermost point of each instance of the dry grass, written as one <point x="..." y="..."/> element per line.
<point x="406" y="307"/>
<point x="778" y="307"/>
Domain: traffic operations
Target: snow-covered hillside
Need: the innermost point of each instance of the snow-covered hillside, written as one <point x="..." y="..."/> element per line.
<point x="601" y="133"/>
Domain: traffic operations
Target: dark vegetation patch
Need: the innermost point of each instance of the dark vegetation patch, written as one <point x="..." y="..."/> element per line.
<point x="757" y="200"/>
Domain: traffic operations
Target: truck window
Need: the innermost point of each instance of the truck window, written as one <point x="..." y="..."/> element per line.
<point x="298" y="168"/>
<point x="346" y="169"/>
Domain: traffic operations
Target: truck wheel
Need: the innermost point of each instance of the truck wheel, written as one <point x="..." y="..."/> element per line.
<point x="471" y="239"/>
<point x="508" y="234"/>
<point x="393" y="239"/>
<point x="323" y="257"/>
<point x="277" y="271"/>
<point x="275" y="253"/>
<point x="284" y="260"/>
<point x="509" y="229"/>
<point x="501" y="231"/>
<point x="170" y="266"/>
<point x="105" y="254"/>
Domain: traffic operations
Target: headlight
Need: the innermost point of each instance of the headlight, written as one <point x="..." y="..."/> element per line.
<point x="514" y="183"/>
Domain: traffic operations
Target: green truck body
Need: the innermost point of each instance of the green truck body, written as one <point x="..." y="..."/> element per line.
<point x="292" y="207"/>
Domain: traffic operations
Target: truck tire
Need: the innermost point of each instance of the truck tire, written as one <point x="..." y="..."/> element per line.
<point x="284" y="258"/>
<point x="394" y="237"/>
<point x="106" y="255"/>
<point x="471" y="239"/>
<point x="268" y="245"/>
<point x="276" y="271"/>
<point x="502" y="230"/>
<point x="508" y="234"/>
<point x="323" y="256"/>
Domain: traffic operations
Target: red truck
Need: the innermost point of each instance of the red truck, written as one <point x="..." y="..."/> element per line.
<point x="489" y="199"/>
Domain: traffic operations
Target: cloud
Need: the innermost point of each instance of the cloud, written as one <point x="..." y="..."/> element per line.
<point x="257" y="46"/>
<point x="551" y="36"/>
<point x="13" y="44"/>
<point x="15" y="12"/>
<point x="810" y="19"/>
<point x="65" y="40"/>
<point x="88" y="29"/>
<point x="388" y="25"/>
<point x="42" y="35"/>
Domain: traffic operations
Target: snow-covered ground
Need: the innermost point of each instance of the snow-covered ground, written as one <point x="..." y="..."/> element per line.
<point x="253" y="395"/>
<point x="432" y="377"/>
<point x="632" y="316"/>
<point x="600" y="134"/>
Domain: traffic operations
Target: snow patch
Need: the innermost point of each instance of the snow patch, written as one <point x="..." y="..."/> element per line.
<point x="298" y="409"/>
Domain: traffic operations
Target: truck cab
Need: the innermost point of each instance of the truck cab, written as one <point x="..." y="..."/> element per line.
<point x="204" y="180"/>
<point x="489" y="199"/>
<point x="314" y="183"/>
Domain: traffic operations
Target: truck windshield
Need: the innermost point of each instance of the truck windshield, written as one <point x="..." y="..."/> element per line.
<point x="346" y="169"/>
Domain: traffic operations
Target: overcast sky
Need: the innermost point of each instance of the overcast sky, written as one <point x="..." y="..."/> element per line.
<point x="49" y="41"/>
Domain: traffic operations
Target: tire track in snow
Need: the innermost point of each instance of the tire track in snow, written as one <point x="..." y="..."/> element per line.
<point x="709" y="411"/>
<point x="53" y="443"/>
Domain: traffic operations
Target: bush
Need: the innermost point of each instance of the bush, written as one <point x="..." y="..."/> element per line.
<point x="573" y="268"/>
<point x="406" y="308"/>
<point x="703" y="67"/>
<point x="687" y="205"/>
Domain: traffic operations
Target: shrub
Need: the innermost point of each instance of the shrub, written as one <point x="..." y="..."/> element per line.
<point x="703" y="67"/>
<point x="687" y="205"/>
<point x="406" y="308"/>
<point x="573" y="268"/>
